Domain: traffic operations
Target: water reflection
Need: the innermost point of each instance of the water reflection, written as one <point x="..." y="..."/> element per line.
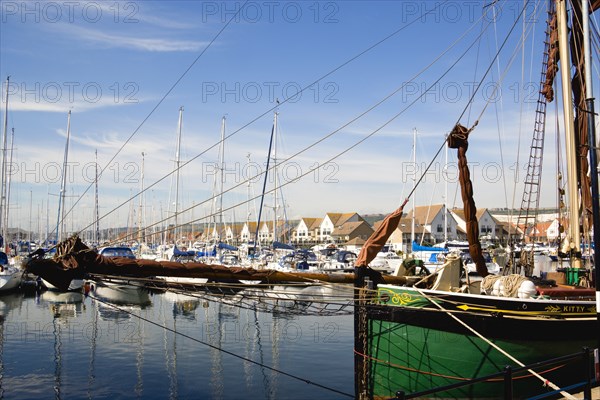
<point x="113" y="343"/>
<point x="184" y="305"/>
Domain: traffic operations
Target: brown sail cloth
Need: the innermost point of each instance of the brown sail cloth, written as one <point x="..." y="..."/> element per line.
<point x="458" y="139"/>
<point x="379" y="238"/>
<point x="578" y="87"/>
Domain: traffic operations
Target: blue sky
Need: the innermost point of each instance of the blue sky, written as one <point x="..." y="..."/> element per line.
<point x="113" y="65"/>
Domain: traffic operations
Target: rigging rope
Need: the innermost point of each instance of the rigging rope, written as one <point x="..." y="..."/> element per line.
<point x="311" y="170"/>
<point x="222" y="350"/>
<point x="162" y="99"/>
<point x="495" y="346"/>
<point x="285" y="100"/>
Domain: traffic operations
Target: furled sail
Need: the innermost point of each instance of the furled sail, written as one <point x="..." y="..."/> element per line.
<point x="458" y="139"/>
<point x="578" y="87"/>
<point x="379" y="238"/>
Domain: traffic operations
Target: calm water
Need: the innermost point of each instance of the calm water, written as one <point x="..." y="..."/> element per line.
<point x="71" y="346"/>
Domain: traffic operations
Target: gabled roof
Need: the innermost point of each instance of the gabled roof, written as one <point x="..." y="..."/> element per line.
<point x="236" y="228"/>
<point x="338" y="219"/>
<point x="252" y="226"/>
<point x="424" y="215"/>
<point x="312" y="223"/>
<point x="315" y="224"/>
<point x="349" y="227"/>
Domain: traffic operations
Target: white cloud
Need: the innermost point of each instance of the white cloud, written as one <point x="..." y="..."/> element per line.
<point x="130" y="42"/>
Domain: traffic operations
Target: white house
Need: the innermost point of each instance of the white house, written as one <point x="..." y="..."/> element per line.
<point x="431" y="219"/>
<point x="307" y="230"/>
<point x="489" y="227"/>
<point x="334" y="220"/>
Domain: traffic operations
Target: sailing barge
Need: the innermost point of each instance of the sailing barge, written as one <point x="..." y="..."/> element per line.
<point x="414" y="339"/>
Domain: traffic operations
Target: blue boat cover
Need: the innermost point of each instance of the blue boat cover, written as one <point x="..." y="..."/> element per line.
<point x="179" y="253"/>
<point x="418" y="247"/>
<point x="211" y="253"/>
<point x="227" y="246"/>
<point x="283" y="246"/>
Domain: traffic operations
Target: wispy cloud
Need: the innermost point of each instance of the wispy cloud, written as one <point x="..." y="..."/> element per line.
<point x="41" y="105"/>
<point x="146" y="44"/>
<point x="130" y="42"/>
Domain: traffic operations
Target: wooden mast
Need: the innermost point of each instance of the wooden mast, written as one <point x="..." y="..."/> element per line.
<point x="573" y="236"/>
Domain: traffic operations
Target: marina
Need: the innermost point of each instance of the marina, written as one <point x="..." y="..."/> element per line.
<point x="296" y="246"/>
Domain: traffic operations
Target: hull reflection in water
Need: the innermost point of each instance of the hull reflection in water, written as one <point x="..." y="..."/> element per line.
<point x="92" y="347"/>
<point x="119" y="292"/>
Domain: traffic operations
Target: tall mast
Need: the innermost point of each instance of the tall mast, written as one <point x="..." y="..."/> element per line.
<point x="10" y="160"/>
<point x="222" y="177"/>
<point x="276" y="183"/>
<point x="446" y="193"/>
<point x="248" y="187"/>
<point x="3" y="205"/>
<point x="573" y="236"/>
<point x="141" y="221"/>
<point x="412" y="229"/>
<point x="177" y="163"/>
<point x="96" y="204"/>
<point x="60" y="223"/>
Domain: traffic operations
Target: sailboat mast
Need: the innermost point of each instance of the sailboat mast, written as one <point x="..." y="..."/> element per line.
<point x="222" y="177"/>
<point x="248" y="187"/>
<point x="96" y="205"/>
<point x="412" y="229"/>
<point x="141" y="206"/>
<point x="3" y="172"/>
<point x="564" y="51"/>
<point x="10" y="160"/>
<point x="446" y="193"/>
<point x="60" y="223"/>
<point x="177" y="163"/>
<point x="275" y="175"/>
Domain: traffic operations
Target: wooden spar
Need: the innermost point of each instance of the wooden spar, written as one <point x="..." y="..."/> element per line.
<point x="75" y="259"/>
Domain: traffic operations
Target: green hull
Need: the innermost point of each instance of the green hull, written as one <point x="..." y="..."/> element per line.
<point x="412" y="346"/>
<point x="412" y="359"/>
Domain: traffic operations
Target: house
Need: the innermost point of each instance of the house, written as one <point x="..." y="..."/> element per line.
<point x="489" y="227"/>
<point x="400" y="239"/>
<point x="249" y="231"/>
<point x="331" y="221"/>
<point x="431" y="218"/>
<point x="307" y="230"/>
<point x="553" y="230"/>
<point x="352" y="230"/>
<point x="233" y="232"/>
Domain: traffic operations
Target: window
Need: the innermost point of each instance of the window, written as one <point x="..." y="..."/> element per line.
<point x="440" y="228"/>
